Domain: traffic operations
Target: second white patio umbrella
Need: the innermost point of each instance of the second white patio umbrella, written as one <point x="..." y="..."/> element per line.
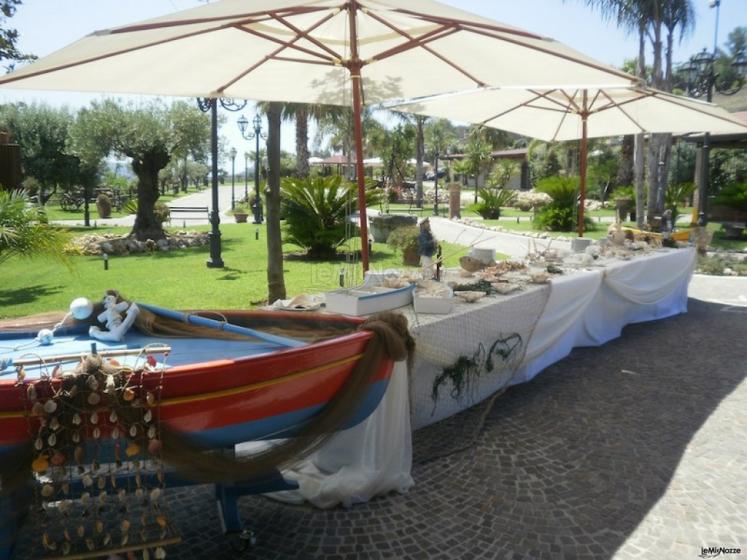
<point x="578" y="113"/>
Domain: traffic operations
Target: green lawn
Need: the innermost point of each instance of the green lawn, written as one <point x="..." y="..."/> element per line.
<point x="177" y="279"/>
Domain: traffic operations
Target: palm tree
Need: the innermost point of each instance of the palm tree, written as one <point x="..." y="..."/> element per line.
<point x="275" y="279"/>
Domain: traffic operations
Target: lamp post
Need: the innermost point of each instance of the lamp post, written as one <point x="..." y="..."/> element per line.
<point x="256" y="134"/>
<point x="232" y="153"/>
<point x="211" y="104"/>
<point x="246" y="176"/>
<point x="701" y="79"/>
<point x="435" y="184"/>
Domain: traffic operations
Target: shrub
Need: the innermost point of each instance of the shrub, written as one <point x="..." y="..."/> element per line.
<point x="491" y="202"/>
<point x="317" y="212"/>
<point x="162" y="212"/>
<point x="734" y="196"/>
<point x="675" y="194"/>
<point x="405" y="239"/>
<point x="104" y="206"/>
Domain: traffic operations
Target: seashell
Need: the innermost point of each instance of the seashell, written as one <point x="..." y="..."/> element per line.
<point x="81" y="531"/>
<point x="125" y="539"/>
<point x="66" y="488"/>
<point x="85" y="498"/>
<point x="155" y="494"/>
<point x="139" y="493"/>
<point x="58" y="459"/>
<point x="95" y="466"/>
<point x="47" y="491"/>
<point x="66" y="534"/>
<point x="161" y="520"/>
<point x="94" y="399"/>
<point x="160" y="553"/>
<point x="132" y="449"/>
<point x="471" y="264"/>
<point x="121" y="495"/>
<point x="113" y="480"/>
<point x="128" y="394"/>
<point x="143" y="519"/>
<point x="154" y="446"/>
<point x="64" y="506"/>
<point x="50" y="406"/>
<point x="102" y="498"/>
<point x="48" y="543"/>
<point x="38" y="444"/>
<point x="148" y="416"/>
<point x="94" y="417"/>
<point x="101" y="483"/>
<point x="138" y="480"/>
<point x="541" y="277"/>
<point x="150" y="399"/>
<point x="114" y="362"/>
<point x="90" y="544"/>
<point x="65" y="548"/>
<point x="76" y="437"/>
<point x="107" y="539"/>
<point x="146" y="552"/>
<point x="87" y="480"/>
<point x="79" y="454"/>
<point x="96" y="433"/>
<point x="54" y="424"/>
<point x="93" y="383"/>
<point x="77" y="419"/>
<point x="469" y="297"/>
<point x="52" y="440"/>
<point x="152" y="432"/>
<point x="160" y="476"/>
<point x="56" y="371"/>
<point x="133" y="430"/>
<point x="505" y="287"/>
<point x="109" y="386"/>
<point x="113" y="417"/>
<point x="125" y="525"/>
<point x="73" y="391"/>
<point x="99" y="526"/>
<point x="37" y="409"/>
<point x="115" y="433"/>
<point x="31" y="392"/>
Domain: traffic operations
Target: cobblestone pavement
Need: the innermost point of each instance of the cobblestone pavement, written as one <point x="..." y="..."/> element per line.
<point x="632" y="450"/>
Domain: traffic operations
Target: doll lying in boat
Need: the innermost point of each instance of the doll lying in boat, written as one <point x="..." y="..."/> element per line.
<point x="111" y="317"/>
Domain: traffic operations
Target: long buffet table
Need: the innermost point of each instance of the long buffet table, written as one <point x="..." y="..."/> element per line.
<point x="479" y="348"/>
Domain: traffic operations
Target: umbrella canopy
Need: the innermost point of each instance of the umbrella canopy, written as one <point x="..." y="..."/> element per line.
<point x="310" y="51"/>
<point x="581" y="113"/>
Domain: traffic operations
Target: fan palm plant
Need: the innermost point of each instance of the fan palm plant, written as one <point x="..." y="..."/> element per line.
<point x="317" y="211"/>
<point x="24" y="230"/>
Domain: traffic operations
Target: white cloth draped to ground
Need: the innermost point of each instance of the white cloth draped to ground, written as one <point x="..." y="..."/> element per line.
<point x="586" y="308"/>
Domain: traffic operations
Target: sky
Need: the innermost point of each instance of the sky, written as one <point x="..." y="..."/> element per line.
<point x="47" y="25"/>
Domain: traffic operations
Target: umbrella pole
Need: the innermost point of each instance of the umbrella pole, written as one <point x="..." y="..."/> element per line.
<point x="582" y="171"/>
<point x="354" y="66"/>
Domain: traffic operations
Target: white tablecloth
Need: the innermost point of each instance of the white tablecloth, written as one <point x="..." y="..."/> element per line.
<point x="586" y="308"/>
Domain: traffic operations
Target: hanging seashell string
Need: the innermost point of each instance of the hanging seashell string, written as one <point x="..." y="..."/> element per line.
<point x="97" y="458"/>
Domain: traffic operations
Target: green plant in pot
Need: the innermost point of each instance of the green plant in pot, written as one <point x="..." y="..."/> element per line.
<point x="405" y="239"/>
<point x="491" y="201"/>
<point x="624" y="203"/>
<point x="241" y="212"/>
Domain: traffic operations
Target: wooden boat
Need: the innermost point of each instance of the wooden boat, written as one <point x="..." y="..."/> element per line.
<point x="268" y="380"/>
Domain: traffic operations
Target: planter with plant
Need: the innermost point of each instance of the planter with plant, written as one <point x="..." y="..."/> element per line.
<point x="241" y="212"/>
<point x="625" y="203"/>
<point x="734" y="197"/>
<point x="104" y="206"/>
<point x="405" y="239"/>
<point x="491" y="201"/>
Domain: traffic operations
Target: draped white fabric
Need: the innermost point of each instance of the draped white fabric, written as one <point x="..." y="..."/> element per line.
<point x="587" y="308"/>
<point x="369" y="459"/>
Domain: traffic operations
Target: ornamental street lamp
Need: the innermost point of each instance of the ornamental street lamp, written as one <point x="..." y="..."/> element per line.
<point x="211" y="104"/>
<point x="701" y="79"/>
<point x="232" y="153"/>
<point x="435" y="184"/>
<point x="243" y="123"/>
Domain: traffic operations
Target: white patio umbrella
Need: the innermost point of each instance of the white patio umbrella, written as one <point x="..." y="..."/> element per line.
<point x="310" y="51"/>
<point x="580" y="113"/>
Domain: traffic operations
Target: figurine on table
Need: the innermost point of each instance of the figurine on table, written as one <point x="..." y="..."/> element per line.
<point x="426" y="248"/>
<point x="111" y="317"/>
